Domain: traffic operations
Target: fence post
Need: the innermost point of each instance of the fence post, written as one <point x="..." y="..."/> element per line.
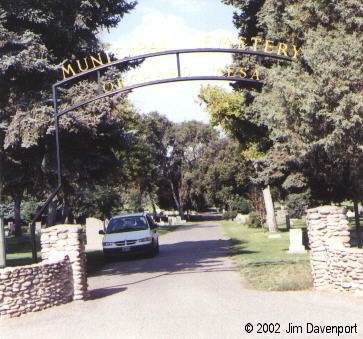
<point x="2" y="243"/>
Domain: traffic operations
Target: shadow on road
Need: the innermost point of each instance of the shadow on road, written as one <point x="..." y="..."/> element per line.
<point x="180" y="257"/>
<point x="99" y="293"/>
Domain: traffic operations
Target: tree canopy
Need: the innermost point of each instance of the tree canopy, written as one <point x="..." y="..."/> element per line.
<point x="311" y="108"/>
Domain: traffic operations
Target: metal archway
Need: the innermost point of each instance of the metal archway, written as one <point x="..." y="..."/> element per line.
<point x="178" y="78"/>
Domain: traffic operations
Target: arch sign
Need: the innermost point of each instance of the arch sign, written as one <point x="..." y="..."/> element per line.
<point x="96" y="64"/>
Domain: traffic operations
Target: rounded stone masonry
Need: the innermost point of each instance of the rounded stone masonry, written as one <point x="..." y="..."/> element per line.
<point x="35" y="287"/>
<point x="61" y="240"/>
<point x="59" y="278"/>
<point x="334" y="264"/>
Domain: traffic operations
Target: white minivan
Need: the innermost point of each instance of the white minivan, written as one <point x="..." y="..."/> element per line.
<point x="130" y="233"/>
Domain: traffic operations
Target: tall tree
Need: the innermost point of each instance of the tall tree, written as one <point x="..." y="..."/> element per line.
<point x="36" y="38"/>
<point x="187" y="142"/>
<point x="312" y="107"/>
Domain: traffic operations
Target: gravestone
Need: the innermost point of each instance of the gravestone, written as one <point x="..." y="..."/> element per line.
<point x="242" y="218"/>
<point x="38" y="227"/>
<point x="11" y="226"/>
<point x="174" y="221"/>
<point x="94" y="239"/>
<point x="350" y="214"/>
<point x="296" y="241"/>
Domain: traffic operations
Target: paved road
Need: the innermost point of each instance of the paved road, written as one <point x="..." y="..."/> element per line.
<point x="191" y="290"/>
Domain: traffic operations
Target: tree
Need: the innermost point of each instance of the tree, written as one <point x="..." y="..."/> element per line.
<point x="228" y="110"/>
<point x="36" y="38"/>
<point x="312" y="107"/>
<point x="187" y="141"/>
<point x="224" y="174"/>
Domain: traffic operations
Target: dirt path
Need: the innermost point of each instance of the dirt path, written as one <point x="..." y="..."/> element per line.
<point x="191" y="290"/>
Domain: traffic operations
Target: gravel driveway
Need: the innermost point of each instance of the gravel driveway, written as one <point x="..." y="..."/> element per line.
<point x="191" y="290"/>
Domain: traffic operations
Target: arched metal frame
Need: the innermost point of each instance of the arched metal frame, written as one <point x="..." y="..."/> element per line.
<point x="178" y="78"/>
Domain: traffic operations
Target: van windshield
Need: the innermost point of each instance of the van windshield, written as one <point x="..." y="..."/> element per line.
<point x="127" y="224"/>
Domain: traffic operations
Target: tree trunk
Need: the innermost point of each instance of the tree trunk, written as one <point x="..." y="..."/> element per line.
<point x="52" y="214"/>
<point x="177" y="202"/>
<point x="17" y="217"/>
<point x="357" y="222"/>
<point x="65" y="212"/>
<point x="270" y="211"/>
<point x="152" y="203"/>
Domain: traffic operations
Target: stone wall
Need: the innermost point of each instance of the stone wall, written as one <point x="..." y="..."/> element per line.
<point x="35" y="287"/>
<point x="59" y="278"/>
<point x="58" y="241"/>
<point x="334" y="264"/>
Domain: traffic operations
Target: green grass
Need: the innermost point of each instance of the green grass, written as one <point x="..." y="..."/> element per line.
<point x="19" y="251"/>
<point x="264" y="262"/>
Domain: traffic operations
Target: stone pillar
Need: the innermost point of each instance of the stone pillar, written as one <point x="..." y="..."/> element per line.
<point x="327" y="226"/>
<point x="61" y="240"/>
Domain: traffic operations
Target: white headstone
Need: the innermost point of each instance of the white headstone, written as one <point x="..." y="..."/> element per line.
<point x="296" y="241"/>
<point x="242" y="218"/>
<point x="38" y="227"/>
<point x="350" y="214"/>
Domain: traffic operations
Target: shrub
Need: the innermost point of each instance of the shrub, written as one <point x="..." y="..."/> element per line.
<point x="229" y="215"/>
<point x="297" y="204"/>
<point x="239" y="204"/>
<point x="254" y="221"/>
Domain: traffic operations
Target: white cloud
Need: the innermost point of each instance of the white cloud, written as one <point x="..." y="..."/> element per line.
<point x="158" y="31"/>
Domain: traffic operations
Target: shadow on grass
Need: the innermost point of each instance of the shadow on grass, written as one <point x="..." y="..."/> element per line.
<point x="237" y="247"/>
<point x="277" y="262"/>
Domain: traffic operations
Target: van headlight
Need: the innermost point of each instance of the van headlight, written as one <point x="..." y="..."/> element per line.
<point x="106" y="244"/>
<point x="145" y="240"/>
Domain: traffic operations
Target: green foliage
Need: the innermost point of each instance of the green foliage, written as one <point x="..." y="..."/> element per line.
<point x="229" y="215"/>
<point x="224" y="174"/>
<point x="28" y="209"/>
<point x="239" y="204"/>
<point x="99" y="202"/>
<point x="254" y="221"/>
<point x="297" y="203"/>
<point x="36" y="38"/>
<point x="311" y="108"/>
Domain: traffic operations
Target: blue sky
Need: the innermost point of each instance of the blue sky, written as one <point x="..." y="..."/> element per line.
<point x="165" y="24"/>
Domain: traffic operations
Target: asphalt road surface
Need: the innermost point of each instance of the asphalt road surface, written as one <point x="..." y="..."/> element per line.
<point x="191" y="290"/>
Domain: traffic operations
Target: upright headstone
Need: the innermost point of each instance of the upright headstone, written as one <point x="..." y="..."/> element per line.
<point x="296" y="241"/>
<point x="38" y="227"/>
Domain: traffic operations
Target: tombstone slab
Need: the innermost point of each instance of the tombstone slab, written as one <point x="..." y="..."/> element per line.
<point x="296" y="242"/>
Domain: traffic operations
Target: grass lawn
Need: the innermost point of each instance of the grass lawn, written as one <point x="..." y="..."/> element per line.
<point x="264" y="262"/>
<point x="19" y="251"/>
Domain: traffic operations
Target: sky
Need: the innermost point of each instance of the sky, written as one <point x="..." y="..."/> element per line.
<point x="156" y="25"/>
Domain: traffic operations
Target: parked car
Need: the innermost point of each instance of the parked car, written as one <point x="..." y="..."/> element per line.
<point x="130" y="233"/>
